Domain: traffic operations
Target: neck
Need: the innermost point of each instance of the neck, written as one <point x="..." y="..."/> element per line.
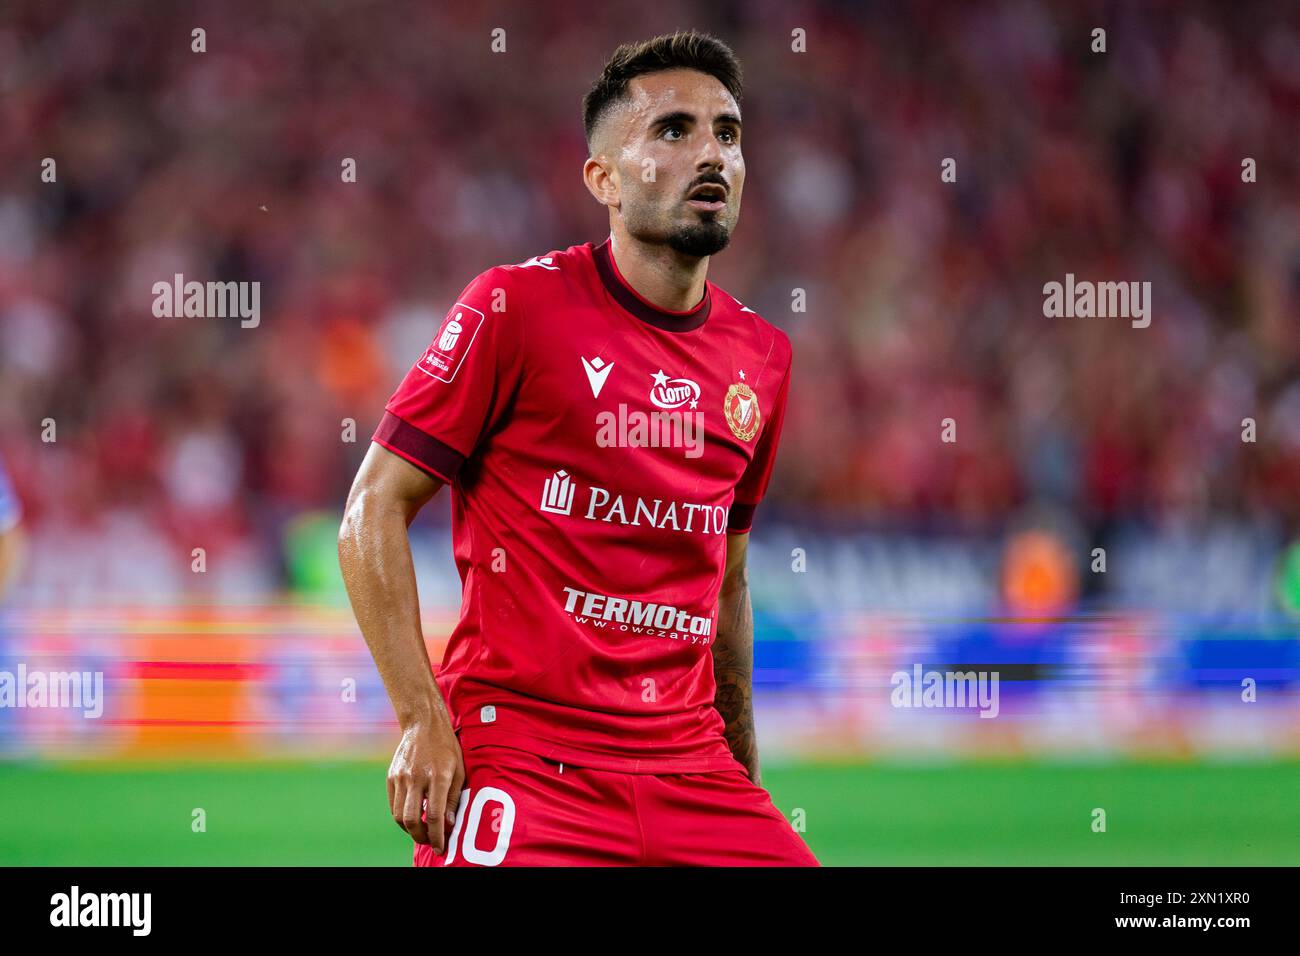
<point x="660" y="275"/>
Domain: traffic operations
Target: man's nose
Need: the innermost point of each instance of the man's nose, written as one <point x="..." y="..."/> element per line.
<point x="711" y="156"/>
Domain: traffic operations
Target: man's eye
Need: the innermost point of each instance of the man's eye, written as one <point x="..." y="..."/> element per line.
<point x="730" y="135"/>
<point x="672" y="129"/>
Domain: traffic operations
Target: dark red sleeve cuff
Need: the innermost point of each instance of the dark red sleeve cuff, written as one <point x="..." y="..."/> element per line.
<point x="424" y="451"/>
<point x="740" y="518"/>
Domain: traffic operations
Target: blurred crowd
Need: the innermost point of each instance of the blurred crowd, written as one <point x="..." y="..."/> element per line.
<point x="924" y="298"/>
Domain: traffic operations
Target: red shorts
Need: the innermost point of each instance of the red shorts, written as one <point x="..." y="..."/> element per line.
<point x="519" y="809"/>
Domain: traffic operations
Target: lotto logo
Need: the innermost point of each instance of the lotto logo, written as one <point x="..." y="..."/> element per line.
<point x="673" y="392"/>
<point x="445" y="356"/>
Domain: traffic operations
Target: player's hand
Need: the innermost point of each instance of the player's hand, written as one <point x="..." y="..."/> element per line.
<point x="427" y="770"/>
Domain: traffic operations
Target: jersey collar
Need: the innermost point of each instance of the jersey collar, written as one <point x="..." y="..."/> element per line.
<point x="628" y="298"/>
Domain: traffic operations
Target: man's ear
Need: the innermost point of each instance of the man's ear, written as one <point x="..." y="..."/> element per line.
<point x="601" y="180"/>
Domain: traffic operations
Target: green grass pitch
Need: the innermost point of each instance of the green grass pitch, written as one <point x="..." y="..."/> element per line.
<point x="860" y="814"/>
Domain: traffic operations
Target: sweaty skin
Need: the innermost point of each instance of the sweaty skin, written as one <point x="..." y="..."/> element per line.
<point x="677" y="130"/>
<point x="733" y="658"/>
<point x="375" y="556"/>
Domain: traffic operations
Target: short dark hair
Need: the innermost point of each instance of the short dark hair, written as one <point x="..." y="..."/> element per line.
<point x="689" y="50"/>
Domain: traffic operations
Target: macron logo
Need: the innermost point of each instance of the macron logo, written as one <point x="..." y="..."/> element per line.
<point x="597" y="371"/>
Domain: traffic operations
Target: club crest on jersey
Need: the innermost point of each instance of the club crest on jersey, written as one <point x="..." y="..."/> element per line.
<point x="673" y="393"/>
<point x="442" y="359"/>
<point x="740" y="408"/>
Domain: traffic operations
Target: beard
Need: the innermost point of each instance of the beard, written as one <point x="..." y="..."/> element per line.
<point x="700" y="239"/>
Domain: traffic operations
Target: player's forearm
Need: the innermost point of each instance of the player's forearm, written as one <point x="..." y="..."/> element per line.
<point x="733" y="672"/>
<point x="375" y="557"/>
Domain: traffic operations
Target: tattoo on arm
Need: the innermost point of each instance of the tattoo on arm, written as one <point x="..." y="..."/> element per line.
<point x="733" y="671"/>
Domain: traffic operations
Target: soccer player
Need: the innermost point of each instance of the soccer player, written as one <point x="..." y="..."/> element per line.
<point x="607" y="419"/>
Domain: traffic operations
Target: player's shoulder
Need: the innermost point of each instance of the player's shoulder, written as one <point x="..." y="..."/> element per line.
<point x="766" y="337"/>
<point x="545" y="269"/>
<point x="531" y="285"/>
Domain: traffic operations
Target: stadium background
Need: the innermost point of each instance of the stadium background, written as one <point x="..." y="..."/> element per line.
<point x="1121" y="690"/>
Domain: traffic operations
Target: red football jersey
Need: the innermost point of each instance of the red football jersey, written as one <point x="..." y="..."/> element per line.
<point x="598" y="450"/>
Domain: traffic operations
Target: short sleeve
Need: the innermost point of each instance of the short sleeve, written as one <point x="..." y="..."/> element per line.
<point x="753" y="483"/>
<point x="462" y="385"/>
